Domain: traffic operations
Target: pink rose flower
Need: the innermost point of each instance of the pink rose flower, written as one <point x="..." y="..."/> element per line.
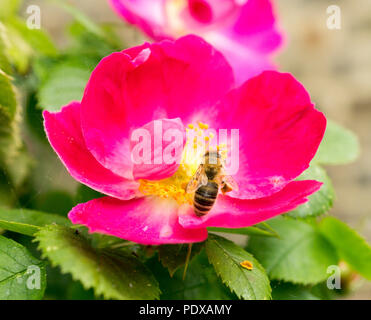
<point x="245" y="31"/>
<point x="176" y="83"/>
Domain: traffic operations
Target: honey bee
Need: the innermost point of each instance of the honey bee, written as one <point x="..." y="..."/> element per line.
<point x="206" y="182"/>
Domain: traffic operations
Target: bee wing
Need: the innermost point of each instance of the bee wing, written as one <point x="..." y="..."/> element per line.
<point x="198" y="179"/>
<point x="229" y="184"/>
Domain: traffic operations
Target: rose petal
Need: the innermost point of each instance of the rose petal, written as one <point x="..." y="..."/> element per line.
<point x="178" y="78"/>
<point x="237" y="213"/>
<point x="163" y="154"/>
<point x="249" y="40"/>
<point x="169" y="79"/>
<point x="255" y="16"/>
<point x="146" y="220"/>
<point x="147" y="15"/>
<point x="279" y="132"/>
<point x="246" y="61"/>
<point x="63" y="129"/>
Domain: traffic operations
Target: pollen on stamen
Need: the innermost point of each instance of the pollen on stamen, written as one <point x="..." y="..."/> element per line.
<point x="203" y="126"/>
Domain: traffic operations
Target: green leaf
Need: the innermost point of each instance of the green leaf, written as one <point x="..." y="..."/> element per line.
<point x="92" y="45"/>
<point x="261" y="229"/>
<point x="9" y="8"/>
<point x="77" y="292"/>
<point x="22" y="277"/>
<point x="14" y="161"/>
<point x="80" y="17"/>
<point x="226" y="257"/>
<point x="19" y="165"/>
<point x="37" y="39"/>
<point x="4" y="61"/>
<point x="8" y="102"/>
<point x="322" y="292"/>
<point x="66" y="83"/>
<point x="22" y="43"/>
<point x="339" y="146"/>
<point x="319" y="202"/>
<point x="201" y="282"/>
<point x="351" y="247"/>
<point x="300" y="255"/>
<point x="17" y="49"/>
<point x="113" y="274"/>
<point x="28" y="222"/>
<point x="290" y="291"/>
<point x="173" y="256"/>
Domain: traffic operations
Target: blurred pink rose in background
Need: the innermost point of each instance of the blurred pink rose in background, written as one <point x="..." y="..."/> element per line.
<point x="245" y="31"/>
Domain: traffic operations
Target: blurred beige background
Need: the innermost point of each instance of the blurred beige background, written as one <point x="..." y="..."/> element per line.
<point x="334" y="65"/>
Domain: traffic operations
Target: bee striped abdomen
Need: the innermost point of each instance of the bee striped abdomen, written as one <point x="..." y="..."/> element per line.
<point x="205" y="197"/>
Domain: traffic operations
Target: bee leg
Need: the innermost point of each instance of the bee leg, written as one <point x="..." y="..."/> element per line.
<point x="226" y="188"/>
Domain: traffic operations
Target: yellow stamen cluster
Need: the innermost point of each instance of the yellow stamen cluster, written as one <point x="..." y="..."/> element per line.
<point x="174" y="187"/>
<point x="200" y="136"/>
<point x="170" y="188"/>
